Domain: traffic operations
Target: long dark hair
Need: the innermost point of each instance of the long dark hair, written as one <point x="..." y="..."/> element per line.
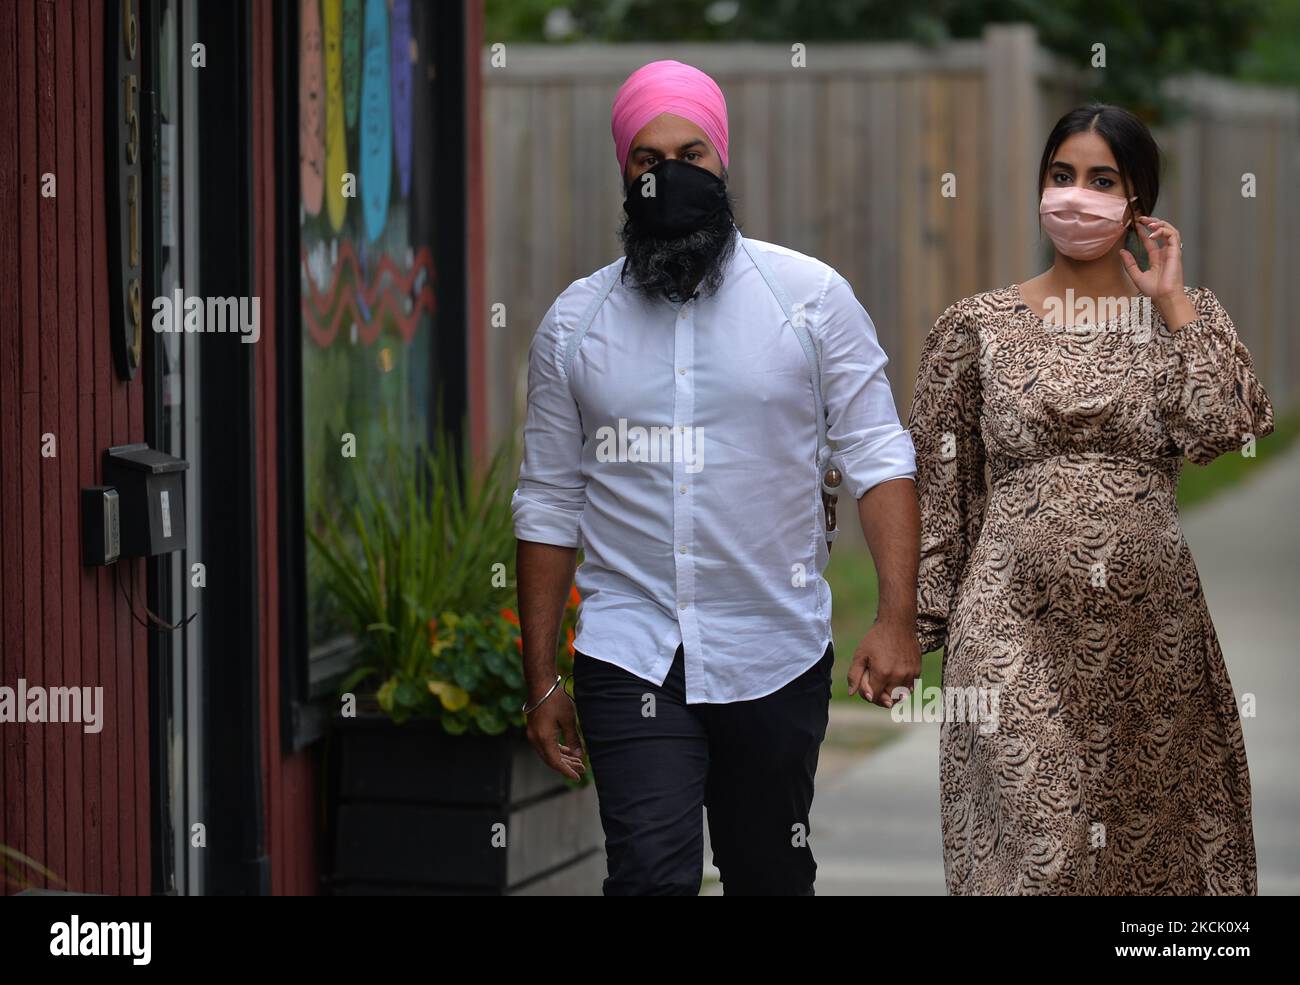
<point x="1128" y="138"/>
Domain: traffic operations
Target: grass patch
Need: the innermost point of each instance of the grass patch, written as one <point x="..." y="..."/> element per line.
<point x="856" y="595"/>
<point x="1200" y="483"/>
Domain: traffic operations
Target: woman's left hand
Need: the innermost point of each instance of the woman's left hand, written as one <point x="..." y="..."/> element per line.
<point x="1162" y="281"/>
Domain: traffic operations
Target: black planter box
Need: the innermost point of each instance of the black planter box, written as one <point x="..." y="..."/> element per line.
<point x="418" y="811"/>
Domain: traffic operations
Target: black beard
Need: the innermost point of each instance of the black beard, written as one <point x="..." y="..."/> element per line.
<point x="677" y="268"/>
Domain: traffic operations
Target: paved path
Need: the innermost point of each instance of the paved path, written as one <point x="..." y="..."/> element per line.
<point x="1247" y="547"/>
<point x="876" y="823"/>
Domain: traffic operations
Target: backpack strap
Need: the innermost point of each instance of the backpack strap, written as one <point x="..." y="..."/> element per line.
<point x="824" y="458"/>
<point x="800" y="328"/>
<point x="588" y="316"/>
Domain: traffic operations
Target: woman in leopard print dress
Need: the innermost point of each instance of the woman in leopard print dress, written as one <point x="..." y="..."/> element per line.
<point x="1112" y="759"/>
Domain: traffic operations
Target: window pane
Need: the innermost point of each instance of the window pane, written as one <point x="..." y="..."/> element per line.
<point x="367" y="263"/>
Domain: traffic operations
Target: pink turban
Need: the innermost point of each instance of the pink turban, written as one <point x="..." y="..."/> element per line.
<point x="668" y="87"/>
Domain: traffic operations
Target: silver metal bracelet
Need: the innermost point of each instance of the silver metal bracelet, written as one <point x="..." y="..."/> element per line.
<point x="526" y="709"/>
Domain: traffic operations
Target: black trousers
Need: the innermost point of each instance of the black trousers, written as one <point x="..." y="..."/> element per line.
<point x="657" y="761"/>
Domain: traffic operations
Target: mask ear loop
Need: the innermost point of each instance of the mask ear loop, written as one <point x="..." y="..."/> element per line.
<point x="1131" y="226"/>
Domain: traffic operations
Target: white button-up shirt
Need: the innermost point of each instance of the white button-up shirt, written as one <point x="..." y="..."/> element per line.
<point x="681" y="455"/>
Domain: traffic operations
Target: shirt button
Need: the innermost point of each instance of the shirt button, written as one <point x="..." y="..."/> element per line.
<point x="682" y="372"/>
<point x="681" y="550"/>
<point x="681" y="605"/>
<point x="683" y="489"/>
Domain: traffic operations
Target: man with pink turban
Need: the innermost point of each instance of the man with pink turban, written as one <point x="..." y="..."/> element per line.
<point x="693" y="408"/>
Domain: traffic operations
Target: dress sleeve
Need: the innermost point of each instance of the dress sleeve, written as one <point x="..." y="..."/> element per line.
<point x="1206" y="390"/>
<point x="945" y="427"/>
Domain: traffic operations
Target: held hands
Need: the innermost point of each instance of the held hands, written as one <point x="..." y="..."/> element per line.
<point x="1162" y="282"/>
<point x="547" y="723"/>
<point x="887" y="658"/>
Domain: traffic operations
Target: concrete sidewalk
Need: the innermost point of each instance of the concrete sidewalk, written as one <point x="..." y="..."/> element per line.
<point x="876" y="822"/>
<point x="1247" y="549"/>
<point x="876" y="825"/>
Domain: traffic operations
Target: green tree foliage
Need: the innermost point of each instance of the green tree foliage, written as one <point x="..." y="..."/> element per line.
<point x="1274" y="56"/>
<point x="1144" y="42"/>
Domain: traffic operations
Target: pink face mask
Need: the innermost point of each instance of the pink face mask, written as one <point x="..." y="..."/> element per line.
<point x="1083" y="223"/>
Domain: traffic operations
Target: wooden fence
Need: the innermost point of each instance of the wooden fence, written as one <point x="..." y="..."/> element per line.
<point x="845" y="159"/>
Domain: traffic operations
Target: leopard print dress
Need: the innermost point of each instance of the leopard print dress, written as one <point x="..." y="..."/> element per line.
<point x="1094" y="745"/>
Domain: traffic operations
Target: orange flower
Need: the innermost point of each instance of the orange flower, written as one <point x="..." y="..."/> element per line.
<point x="519" y="643"/>
<point x="433" y="631"/>
<point x="574" y="597"/>
<point x="569" y="643"/>
<point x="509" y="616"/>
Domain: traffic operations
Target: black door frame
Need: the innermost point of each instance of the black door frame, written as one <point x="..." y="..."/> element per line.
<point x="236" y="858"/>
<point x="158" y="588"/>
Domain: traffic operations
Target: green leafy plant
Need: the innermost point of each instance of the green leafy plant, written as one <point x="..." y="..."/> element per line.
<point x="422" y="568"/>
<point x="475" y="682"/>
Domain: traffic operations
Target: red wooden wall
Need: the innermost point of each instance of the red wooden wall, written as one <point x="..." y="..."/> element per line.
<point x="78" y="803"/>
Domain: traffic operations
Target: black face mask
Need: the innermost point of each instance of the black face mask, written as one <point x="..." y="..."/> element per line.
<point x="686" y="198"/>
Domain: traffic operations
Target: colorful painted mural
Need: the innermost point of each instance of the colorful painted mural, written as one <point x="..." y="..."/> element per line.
<point x="359" y="280"/>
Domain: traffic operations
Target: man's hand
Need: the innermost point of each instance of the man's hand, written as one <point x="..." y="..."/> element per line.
<point x="889" y="655"/>
<point x="887" y="658"/>
<point x="553" y="718"/>
<point x="545" y="578"/>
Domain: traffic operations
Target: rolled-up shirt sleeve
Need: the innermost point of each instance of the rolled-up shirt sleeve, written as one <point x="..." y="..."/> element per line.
<point x="864" y="431"/>
<point x="548" y="500"/>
